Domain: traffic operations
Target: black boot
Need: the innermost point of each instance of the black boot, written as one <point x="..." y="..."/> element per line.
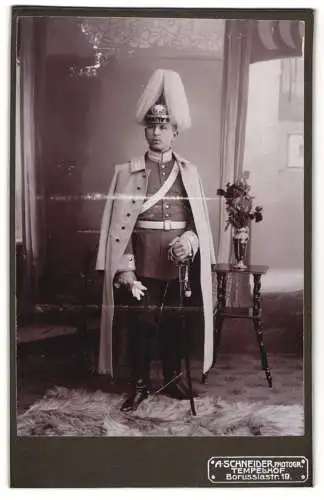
<point x="139" y="394"/>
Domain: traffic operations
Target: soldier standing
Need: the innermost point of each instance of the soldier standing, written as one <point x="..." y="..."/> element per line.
<point x="155" y="217"/>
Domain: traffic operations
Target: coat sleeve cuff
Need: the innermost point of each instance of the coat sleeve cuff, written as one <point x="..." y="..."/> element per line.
<point x="127" y="263"/>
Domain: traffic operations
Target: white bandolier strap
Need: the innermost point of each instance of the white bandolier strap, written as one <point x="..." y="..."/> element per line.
<point x="160" y="193"/>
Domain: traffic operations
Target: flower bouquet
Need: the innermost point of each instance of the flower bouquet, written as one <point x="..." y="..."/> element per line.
<point x="240" y="212"/>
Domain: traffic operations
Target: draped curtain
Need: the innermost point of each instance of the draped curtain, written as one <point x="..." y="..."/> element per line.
<point x="29" y="157"/>
<point x="246" y="42"/>
<point x="18" y="164"/>
<point x="237" y="57"/>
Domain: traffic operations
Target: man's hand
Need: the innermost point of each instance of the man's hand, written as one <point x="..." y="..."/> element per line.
<point x="138" y="290"/>
<point x="129" y="281"/>
<point x="181" y="249"/>
<point x="126" y="279"/>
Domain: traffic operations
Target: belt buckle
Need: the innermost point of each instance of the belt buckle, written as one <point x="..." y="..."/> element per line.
<point x="166" y="225"/>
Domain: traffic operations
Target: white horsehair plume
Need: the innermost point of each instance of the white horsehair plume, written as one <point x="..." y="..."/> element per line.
<point x="170" y="84"/>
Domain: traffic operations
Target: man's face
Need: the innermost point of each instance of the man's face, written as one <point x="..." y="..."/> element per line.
<point x="160" y="136"/>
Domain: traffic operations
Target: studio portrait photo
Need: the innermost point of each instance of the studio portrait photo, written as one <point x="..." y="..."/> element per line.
<point x="159" y="219"/>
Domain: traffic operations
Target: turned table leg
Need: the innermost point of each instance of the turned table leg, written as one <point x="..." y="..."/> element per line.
<point x="218" y="318"/>
<point x="258" y="326"/>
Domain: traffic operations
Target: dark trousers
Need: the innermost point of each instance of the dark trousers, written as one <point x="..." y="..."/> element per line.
<point x="155" y="320"/>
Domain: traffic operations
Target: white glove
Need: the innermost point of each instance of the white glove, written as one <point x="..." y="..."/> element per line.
<point x="180" y="248"/>
<point x="138" y="289"/>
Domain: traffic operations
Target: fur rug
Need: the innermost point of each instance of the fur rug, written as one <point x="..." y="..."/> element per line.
<point x="65" y="412"/>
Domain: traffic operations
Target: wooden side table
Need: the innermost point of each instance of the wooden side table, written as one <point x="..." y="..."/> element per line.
<point x="254" y="313"/>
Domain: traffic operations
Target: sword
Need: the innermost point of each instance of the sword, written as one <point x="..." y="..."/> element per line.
<point x="185" y="292"/>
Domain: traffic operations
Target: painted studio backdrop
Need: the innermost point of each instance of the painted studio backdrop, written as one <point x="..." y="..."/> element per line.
<point x="78" y="81"/>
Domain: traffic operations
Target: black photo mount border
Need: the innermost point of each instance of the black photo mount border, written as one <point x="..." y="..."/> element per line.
<point x="145" y="462"/>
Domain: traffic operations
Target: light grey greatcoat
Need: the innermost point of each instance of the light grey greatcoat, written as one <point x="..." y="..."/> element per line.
<point x="125" y="198"/>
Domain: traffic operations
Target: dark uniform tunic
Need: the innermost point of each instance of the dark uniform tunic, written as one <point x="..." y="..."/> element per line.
<point x="150" y="246"/>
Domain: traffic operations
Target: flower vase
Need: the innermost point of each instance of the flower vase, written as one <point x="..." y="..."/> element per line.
<point x="240" y="241"/>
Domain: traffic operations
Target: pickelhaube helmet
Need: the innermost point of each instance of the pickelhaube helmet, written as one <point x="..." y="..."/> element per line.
<point x="158" y="113"/>
<point x="164" y="100"/>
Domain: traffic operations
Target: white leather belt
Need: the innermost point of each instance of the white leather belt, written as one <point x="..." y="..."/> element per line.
<point x="165" y="225"/>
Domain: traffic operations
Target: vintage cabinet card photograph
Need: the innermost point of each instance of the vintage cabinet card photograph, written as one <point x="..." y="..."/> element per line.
<point x="161" y="328"/>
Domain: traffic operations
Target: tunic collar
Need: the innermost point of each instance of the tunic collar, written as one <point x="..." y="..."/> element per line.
<point x="138" y="164"/>
<point x="158" y="157"/>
